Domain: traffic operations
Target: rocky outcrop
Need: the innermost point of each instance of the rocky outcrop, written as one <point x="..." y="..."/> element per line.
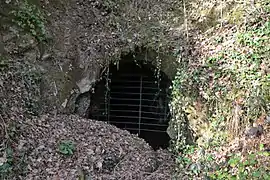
<point x="88" y="36"/>
<point x="82" y="39"/>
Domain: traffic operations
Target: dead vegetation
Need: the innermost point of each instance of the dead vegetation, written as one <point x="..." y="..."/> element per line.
<point x="223" y="83"/>
<point x="99" y="151"/>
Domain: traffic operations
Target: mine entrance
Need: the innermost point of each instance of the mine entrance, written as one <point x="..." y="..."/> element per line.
<point x="131" y="97"/>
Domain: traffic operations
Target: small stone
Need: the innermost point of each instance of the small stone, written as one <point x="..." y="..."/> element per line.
<point x="254" y="131"/>
<point x="3" y="160"/>
<point x="267" y="120"/>
<point x="99" y="164"/>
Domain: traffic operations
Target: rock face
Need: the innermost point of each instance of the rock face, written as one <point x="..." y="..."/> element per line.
<point x="102" y="151"/>
<point x="84" y="37"/>
<point x="87" y="37"/>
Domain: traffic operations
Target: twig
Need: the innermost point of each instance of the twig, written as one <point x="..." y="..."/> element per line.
<point x="55" y="88"/>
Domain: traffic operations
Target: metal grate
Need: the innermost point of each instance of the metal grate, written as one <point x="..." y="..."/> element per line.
<point x="135" y="102"/>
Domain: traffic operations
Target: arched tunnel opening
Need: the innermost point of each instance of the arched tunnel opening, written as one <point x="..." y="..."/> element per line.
<point x="132" y="97"/>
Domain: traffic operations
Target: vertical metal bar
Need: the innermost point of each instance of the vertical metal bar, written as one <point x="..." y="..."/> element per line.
<point x="107" y="96"/>
<point x="140" y="107"/>
<point x="109" y="101"/>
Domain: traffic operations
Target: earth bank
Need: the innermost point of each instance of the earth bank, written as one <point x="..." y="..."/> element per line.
<point x="98" y="151"/>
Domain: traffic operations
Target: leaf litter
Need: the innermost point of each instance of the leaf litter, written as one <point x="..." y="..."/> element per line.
<point x="102" y="151"/>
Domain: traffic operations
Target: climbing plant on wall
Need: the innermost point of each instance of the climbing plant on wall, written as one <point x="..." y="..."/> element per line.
<point x="229" y="78"/>
<point x="29" y="18"/>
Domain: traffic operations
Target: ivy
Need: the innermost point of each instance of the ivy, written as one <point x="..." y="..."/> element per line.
<point x="231" y="83"/>
<point x="29" y="18"/>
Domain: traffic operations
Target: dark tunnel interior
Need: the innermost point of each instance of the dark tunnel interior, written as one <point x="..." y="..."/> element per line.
<point x="132" y="98"/>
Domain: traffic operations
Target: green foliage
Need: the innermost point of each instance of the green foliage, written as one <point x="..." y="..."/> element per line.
<point x="30" y="19"/>
<point x="183" y="159"/>
<point x="66" y="147"/>
<point x="221" y="91"/>
<point x="6" y="166"/>
<point x="239" y="168"/>
<point x="232" y="83"/>
<point x="196" y="162"/>
<point x="12" y="162"/>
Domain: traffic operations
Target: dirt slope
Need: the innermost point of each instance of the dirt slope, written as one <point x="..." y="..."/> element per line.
<point x="102" y="151"/>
